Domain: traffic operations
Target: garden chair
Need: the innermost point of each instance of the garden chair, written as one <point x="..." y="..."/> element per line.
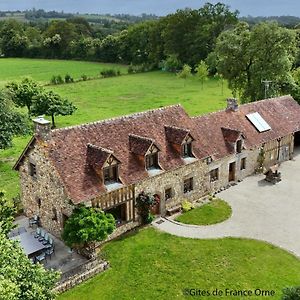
<point x="49" y="252"/>
<point x="33" y="221"/>
<point x="41" y="257"/>
<point x="46" y="239"/>
<point x="37" y="233"/>
<point x="42" y="236"/>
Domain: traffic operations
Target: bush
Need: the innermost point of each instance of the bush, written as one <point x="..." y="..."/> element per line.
<point x="150" y="218"/>
<point x="56" y="79"/>
<point x="68" y="79"/>
<point x="186" y="205"/>
<point x="132" y="69"/>
<point x="84" y="77"/>
<point x="110" y="73"/>
<point x="291" y="293"/>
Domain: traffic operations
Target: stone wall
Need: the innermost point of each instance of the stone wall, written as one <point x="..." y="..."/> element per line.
<point x="197" y="169"/>
<point x="80" y="274"/>
<point x="223" y="166"/>
<point x="44" y="194"/>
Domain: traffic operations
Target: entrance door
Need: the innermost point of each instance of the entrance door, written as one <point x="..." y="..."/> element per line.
<point x="232" y="171"/>
<point x="284" y="153"/>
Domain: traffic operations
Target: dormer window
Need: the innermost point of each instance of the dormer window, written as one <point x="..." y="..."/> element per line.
<point x="187" y="147"/>
<point x="239" y="146"/>
<point x="152" y="161"/>
<point x="110" y="171"/>
<point x="110" y="174"/>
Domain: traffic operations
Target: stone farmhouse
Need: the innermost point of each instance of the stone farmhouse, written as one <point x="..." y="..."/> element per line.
<point x="164" y="152"/>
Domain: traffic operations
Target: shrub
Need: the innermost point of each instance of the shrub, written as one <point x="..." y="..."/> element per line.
<point x="110" y="73"/>
<point x="291" y="293"/>
<point x="150" y="218"/>
<point x="144" y="202"/>
<point x="56" y="79"/>
<point x="68" y="78"/>
<point x="84" y="77"/>
<point x="187" y="205"/>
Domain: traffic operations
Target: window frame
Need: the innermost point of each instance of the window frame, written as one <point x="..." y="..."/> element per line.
<point x="170" y="192"/>
<point x="32" y="169"/>
<point x="113" y="174"/>
<point x="187" y="150"/>
<point x="216" y="175"/>
<point x="239" y="146"/>
<point x="243" y="164"/>
<point x="151" y="161"/>
<point x="188" y="185"/>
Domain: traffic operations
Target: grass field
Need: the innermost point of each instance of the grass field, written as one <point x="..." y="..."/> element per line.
<point x="105" y="98"/>
<point x="155" y="265"/>
<point x="211" y="213"/>
<point x="43" y="69"/>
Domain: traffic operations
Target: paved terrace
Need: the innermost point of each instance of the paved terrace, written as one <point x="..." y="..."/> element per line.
<point x="260" y="210"/>
<point x="62" y="259"/>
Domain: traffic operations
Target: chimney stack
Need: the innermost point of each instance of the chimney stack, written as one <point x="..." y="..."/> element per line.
<point x="42" y="128"/>
<point x="232" y="104"/>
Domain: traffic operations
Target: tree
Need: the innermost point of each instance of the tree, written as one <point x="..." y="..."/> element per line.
<point x="291" y="293"/>
<point x="52" y="104"/>
<point x="202" y="71"/>
<point x="12" y="123"/>
<point x="7" y="212"/>
<point x="87" y="225"/>
<point x="19" y="278"/>
<point x="23" y="93"/>
<point x="185" y="73"/>
<point x="248" y="57"/>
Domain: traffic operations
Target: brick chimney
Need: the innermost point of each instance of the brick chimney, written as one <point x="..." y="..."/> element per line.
<point x="232" y="104"/>
<point x="42" y="128"/>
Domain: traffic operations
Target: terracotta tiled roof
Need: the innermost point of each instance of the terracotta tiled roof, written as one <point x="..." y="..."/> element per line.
<point x="139" y="145"/>
<point x="97" y="156"/>
<point x="68" y="148"/>
<point x="176" y="135"/>
<point x="282" y="114"/>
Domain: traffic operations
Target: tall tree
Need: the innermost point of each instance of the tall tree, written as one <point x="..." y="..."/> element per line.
<point x="52" y="105"/>
<point x="202" y="72"/>
<point x="247" y="58"/>
<point x="12" y="123"/>
<point x="23" y="93"/>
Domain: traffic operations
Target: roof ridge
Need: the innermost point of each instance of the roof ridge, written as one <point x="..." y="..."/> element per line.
<point x="141" y="137"/>
<point x="99" y="148"/>
<point x="244" y="104"/>
<point x="111" y="120"/>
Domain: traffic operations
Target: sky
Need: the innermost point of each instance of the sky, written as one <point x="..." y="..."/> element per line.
<point x="158" y="7"/>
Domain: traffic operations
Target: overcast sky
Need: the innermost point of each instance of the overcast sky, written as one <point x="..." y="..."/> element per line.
<point x="158" y="7"/>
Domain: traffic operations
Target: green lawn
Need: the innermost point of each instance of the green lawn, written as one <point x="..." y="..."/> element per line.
<point x="43" y="69"/>
<point x="211" y="213"/>
<point x="156" y="265"/>
<point x="105" y="98"/>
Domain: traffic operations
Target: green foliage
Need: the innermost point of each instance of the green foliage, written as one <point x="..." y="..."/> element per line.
<point x="52" y="104"/>
<point x="144" y="202"/>
<point x="110" y="73"/>
<point x="291" y="293"/>
<point x="185" y="73"/>
<point x="12" y="123"/>
<point x="23" y="93"/>
<point x="56" y="79"/>
<point x="202" y="71"/>
<point x="84" y="77"/>
<point x="68" y="78"/>
<point x="213" y="212"/>
<point x="87" y="225"/>
<point x="171" y="64"/>
<point x="248" y="57"/>
<point x="19" y="278"/>
<point x="186" y="205"/>
<point x="7" y="212"/>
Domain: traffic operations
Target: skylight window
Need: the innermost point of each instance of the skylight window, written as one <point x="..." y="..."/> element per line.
<point x="259" y="123"/>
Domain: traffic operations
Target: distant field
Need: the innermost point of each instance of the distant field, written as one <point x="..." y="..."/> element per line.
<point x="105" y="98"/>
<point x="43" y="69"/>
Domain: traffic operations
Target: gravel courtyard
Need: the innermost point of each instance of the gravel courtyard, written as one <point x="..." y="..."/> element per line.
<point x="260" y="210"/>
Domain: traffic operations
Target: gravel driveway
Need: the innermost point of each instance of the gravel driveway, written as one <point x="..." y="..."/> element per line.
<point x="260" y="210"/>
